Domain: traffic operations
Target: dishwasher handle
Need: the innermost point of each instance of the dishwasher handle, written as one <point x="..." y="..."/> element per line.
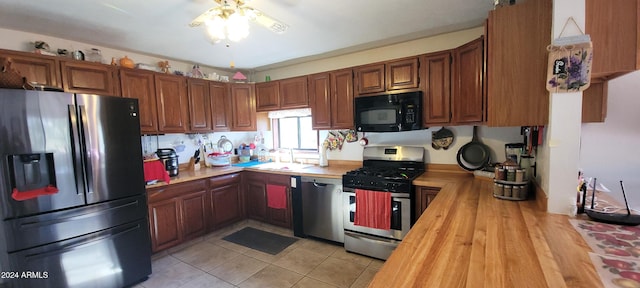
<point x="316" y="184"/>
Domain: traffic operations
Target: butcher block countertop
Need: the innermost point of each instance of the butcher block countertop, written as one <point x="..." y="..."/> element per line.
<point x="468" y="238"/>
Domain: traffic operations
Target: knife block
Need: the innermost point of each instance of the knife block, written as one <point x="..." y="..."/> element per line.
<point x="192" y="166"/>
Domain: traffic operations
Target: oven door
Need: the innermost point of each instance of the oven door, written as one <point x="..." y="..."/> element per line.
<point x="400" y="216"/>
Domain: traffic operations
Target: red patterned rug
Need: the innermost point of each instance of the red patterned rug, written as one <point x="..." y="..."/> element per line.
<point x="617" y="251"/>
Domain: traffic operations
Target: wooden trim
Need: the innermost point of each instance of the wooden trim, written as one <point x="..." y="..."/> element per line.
<point x="540" y="196"/>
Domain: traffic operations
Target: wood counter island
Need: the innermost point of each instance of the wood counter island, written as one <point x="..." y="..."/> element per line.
<point x="468" y="238"/>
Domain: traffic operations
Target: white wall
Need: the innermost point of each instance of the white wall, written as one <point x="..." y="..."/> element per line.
<point x="494" y="137"/>
<point x="610" y="151"/>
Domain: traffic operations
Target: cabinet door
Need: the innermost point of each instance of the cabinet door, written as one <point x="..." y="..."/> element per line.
<point x="467" y="83"/>
<point x="88" y="77"/>
<point x="424" y="196"/>
<point x="613" y="28"/>
<point x="256" y="196"/>
<point x="37" y="69"/>
<point x="293" y="93"/>
<point x="594" y="102"/>
<point x="199" y="105"/>
<point x="437" y="94"/>
<point x="267" y="96"/>
<point x="173" y="103"/>
<point x="194" y="216"/>
<point x="342" y="99"/>
<point x="370" y="78"/>
<point x="165" y="225"/>
<point x="402" y="74"/>
<point x="225" y="200"/>
<point x="320" y="100"/>
<point x="220" y="106"/>
<point x="244" y="108"/>
<point x="517" y="39"/>
<point x="280" y="217"/>
<point x="140" y="85"/>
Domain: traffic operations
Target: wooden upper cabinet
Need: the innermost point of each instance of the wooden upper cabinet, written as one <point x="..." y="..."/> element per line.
<point x="594" y="102"/>
<point x="140" y="84"/>
<point x="370" y="78"/>
<point x="467" y="93"/>
<point x="402" y="74"/>
<point x="243" y="107"/>
<point x="220" y="106"/>
<point x="517" y="39"/>
<point x="320" y="100"/>
<point x="293" y="93"/>
<point x="172" y="101"/>
<point x="88" y="77"/>
<point x="199" y="105"/>
<point x="437" y="91"/>
<point x="342" y="99"/>
<point x="38" y="69"/>
<point x="614" y="28"/>
<point x="267" y="96"/>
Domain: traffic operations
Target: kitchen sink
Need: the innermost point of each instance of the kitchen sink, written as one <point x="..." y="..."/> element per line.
<point x="283" y="166"/>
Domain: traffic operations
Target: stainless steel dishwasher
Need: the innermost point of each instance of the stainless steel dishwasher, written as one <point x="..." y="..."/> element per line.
<point x="322" y="208"/>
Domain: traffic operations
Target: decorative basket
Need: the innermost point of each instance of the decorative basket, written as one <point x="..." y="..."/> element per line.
<point x="9" y="77"/>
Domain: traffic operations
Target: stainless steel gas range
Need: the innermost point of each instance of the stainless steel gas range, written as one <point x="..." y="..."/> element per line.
<point x="387" y="173"/>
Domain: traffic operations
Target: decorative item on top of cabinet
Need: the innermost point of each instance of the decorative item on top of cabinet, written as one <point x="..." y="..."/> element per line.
<point x="516" y="41"/>
<point x="89" y="77"/>
<point x="140" y="84"/>
<point x="613" y="27"/>
<point x="199" y="105"/>
<point x="38" y="69"/>
<point x="243" y="107"/>
<point x="424" y="197"/>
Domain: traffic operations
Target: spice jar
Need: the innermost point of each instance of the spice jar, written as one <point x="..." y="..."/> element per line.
<point x="507" y="190"/>
<point x="511" y="175"/>
<point x="519" y="175"/>
<point x="499" y="173"/>
<point x="498" y="189"/>
<point x="515" y="192"/>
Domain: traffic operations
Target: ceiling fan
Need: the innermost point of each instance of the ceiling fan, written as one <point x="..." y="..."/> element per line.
<point x="229" y="20"/>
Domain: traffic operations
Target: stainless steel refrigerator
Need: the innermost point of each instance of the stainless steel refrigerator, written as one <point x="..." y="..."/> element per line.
<point x="72" y="195"/>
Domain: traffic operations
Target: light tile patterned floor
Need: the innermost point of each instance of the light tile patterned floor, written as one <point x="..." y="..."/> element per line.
<point x="210" y="261"/>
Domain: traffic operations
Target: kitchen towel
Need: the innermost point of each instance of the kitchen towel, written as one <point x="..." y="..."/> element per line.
<point x="373" y="209"/>
<point x="276" y="196"/>
<point x="154" y="170"/>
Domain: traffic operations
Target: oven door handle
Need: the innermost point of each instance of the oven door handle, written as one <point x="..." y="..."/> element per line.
<point x="386" y="242"/>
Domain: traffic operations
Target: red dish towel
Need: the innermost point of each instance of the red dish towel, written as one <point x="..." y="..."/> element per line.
<point x="373" y="209"/>
<point x="26" y="195"/>
<point x="276" y="196"/>
<point x="154" y="170"/>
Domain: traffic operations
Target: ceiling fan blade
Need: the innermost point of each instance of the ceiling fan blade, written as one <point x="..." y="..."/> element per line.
<point x="205" y="16"/>
<point x="265" y="20"/>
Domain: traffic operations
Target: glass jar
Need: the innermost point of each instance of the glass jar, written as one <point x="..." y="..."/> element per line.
<point x="94" y="55"/>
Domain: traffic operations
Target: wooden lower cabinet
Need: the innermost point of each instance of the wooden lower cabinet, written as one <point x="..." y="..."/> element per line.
<point x="256" y="198"/>
<point x="225" y="200"/>
<point x="176" y="213"/>
<point x="424" y="196"/>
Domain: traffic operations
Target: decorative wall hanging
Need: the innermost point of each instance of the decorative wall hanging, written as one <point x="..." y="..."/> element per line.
<point x="570" y="58"/>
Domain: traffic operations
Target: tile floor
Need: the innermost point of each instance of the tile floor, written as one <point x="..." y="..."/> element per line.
<point x="210" y="261"/>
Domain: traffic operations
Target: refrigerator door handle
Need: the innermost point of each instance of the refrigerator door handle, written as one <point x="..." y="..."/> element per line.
<point x="87" y="150"/>
<point x="75" y="148"/>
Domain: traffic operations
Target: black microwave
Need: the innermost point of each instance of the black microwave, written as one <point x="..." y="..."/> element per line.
<point x="389" y="113"/>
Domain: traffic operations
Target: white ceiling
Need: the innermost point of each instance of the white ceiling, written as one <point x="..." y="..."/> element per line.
<point x="318" y="28"/>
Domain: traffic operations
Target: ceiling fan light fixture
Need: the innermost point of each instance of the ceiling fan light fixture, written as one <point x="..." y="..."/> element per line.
<point x="216" y="29"/>
<point x="233" y="26"/>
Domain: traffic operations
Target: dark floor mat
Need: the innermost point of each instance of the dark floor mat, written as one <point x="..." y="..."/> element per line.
<point x="260" y="240"/>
